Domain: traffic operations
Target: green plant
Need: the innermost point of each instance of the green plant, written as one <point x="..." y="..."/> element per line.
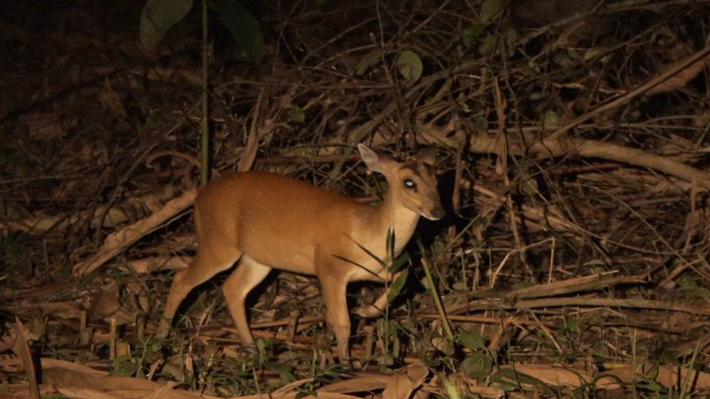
<point x="159" y="16"/>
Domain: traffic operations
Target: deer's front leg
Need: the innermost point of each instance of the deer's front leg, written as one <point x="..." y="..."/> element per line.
<point x="334" y="290"/>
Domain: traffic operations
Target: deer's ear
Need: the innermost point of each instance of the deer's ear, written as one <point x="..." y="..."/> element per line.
<point x="374" y="161"/>
<point x="427" y="155"/>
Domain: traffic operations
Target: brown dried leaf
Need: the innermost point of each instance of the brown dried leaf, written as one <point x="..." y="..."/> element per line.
<point x="109" y="99"/>
<point x="78" y="381"/>
<point x="22" y="349"/>
<point x="555" y="375"/>
<point x="106" y="301"/>
<point x="668" y="376"/>
<point x="160" y="263"/>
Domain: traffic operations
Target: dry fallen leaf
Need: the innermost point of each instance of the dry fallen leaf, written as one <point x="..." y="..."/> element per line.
<point x="22" y="349"/>
<point x="667" y="376"/>
<point x="555" y="375"/>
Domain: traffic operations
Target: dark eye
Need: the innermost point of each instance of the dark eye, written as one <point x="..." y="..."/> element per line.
<point x="410" y="184"/>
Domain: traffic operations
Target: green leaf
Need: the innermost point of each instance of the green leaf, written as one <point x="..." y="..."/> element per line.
<point x="529" y="186"/>
<point x="285" y="371"/>
<point x="481" y="122"/>
<point x="689" y="286"/>
<point x="653" y="386"/>
<point x="397" y="263"/>
<point x="550" y="119"/>
<point x="158" y="16"/>
<point x="488" y="44"/>
<point x="478" y="366"/>
<point x="387" y="327"/>
<point x="438" y="247"/>
<point x="409" y="65"/>
<point x="368" y="61"/>
<point x="511" y="38"/>
<point x="461" y="100"/>
<point x="472" y="340"/>
<point x="390" y="244"/>
<point x="573" y="326"/>
<point x="492" y="10"/>
<point x="592" y="53"/>
<point x="397" y="285"/>
<point x="470" y="34"/>
<point x="513" y="379"/>
<point x="243" y="26"/>
<point x="297" y="115"/>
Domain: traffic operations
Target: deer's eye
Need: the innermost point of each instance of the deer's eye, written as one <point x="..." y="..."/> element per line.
<point x="410" y="184"/>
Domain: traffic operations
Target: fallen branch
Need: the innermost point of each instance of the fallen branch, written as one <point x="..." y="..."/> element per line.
<point x="553" y="148"/>
<point x="119" y="240"/>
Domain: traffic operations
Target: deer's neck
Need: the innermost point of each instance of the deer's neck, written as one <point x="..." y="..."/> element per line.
<point x="392" y="215"/>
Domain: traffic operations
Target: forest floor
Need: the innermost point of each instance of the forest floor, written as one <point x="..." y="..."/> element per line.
<point x="572" y="146"/>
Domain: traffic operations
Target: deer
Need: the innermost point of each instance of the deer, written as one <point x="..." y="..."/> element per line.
<point x="263" y="221"/>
